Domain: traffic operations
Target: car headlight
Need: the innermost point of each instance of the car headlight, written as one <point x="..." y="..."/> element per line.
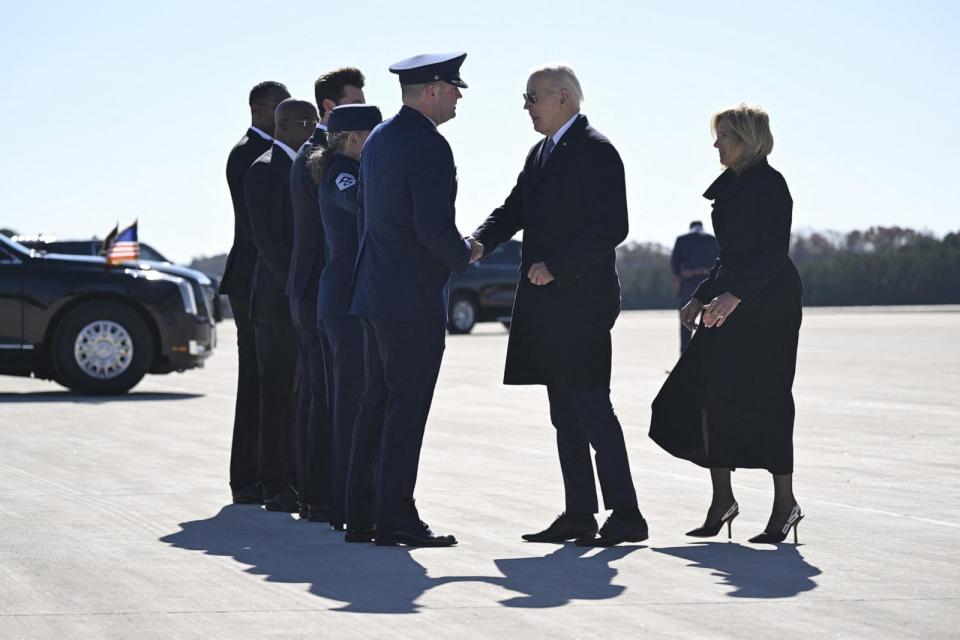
<point x="186" y="294"/>
<point x="186" y="289"/>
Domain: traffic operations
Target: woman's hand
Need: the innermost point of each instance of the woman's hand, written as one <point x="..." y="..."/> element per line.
<point x="689" y="313"/>
<point x="719" y="309"/>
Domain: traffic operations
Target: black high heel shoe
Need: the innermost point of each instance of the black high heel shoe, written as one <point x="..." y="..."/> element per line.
<point x="792" y="521"/>
<point x="713" y="528"/>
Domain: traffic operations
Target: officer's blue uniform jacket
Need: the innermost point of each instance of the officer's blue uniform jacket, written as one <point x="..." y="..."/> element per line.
<point x="307" y="258"/>
<point x="338" y="211"/>
<point x="409" y="242"/>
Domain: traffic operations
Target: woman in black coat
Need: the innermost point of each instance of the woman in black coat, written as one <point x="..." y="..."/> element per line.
<point x="728" y="402"/>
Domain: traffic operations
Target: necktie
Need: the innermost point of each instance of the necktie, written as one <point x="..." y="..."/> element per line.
<point x="547" y="149"/>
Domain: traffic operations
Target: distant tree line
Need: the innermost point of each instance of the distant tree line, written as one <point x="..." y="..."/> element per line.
<point x="879" y="266"/>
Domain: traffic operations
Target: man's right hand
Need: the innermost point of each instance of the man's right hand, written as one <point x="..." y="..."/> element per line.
<point x="476" y="250"/>
<point x="689" y="313"/>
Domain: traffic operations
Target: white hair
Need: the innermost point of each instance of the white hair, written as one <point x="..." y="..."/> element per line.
<point x="561" y="77"/>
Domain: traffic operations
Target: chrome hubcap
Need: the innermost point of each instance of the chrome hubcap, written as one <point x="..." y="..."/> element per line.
<point x="463" y="315"/>
<point x="103" y="349"/>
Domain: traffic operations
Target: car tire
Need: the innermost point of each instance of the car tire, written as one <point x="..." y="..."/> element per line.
<point x="101" y="348"/>
<point x="463" y="313"/>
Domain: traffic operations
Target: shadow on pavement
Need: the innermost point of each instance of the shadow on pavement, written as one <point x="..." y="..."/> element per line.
<point x="569" y="573"/>
<point x="370" y="579"/>
<point x="754" y="572"/>
<point x="69" y="396"/>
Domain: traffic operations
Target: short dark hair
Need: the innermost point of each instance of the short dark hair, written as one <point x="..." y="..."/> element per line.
<point x="696" y="223"/>
<point x="330" y="85"/>
<point x="265" y="90"/>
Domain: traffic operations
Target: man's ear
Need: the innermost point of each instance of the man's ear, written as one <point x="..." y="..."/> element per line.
<point x="328" y="105"/>
<point x="564" y="95"/>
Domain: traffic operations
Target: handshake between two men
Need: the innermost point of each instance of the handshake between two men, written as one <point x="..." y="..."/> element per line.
<point x="537" y="274"/>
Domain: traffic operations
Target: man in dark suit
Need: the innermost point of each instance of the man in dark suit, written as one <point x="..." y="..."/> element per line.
<point x="267" y="191"/>
<point x="570" y="200"/>
<point x="409" y="245"/>
<point x="340" y="86"/>
<point x="237" y="275"/>
<point x="693" y="255"/>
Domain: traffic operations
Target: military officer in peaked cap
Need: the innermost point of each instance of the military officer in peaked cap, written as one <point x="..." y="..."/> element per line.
<point x="409" y="245"/>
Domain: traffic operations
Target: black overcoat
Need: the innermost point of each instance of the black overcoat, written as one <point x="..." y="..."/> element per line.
<point x="741" y="374"/>
<point x="573" y="213"/>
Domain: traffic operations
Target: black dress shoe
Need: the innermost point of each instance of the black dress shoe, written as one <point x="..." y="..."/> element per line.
<point x="285" y="500"/>
<point x="565" y="528"/>
<point x="616" y="530"/>
<point x="359" y="534"/>
<point x="250" y="494"/>
<point x="416" y="535"/>
<point x="318" y="513"/>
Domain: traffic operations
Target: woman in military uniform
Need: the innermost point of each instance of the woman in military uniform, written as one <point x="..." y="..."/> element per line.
<point x="336" y="169"/>
<point x="728" y="402"/>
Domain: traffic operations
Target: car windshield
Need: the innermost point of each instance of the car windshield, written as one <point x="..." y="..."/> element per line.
<point x="149" y="253"/>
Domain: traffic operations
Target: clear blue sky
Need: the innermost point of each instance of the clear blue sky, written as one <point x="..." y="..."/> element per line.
<point x="123" y="110"/>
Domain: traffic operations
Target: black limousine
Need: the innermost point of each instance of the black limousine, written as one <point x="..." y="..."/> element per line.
<point x="97" y="328"/>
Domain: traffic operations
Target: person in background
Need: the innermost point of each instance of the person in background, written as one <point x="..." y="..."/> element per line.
<point x="693" y="255"/>
<point x="236" y="283"/>
<point x="336" y="168"/>
<point x="340" y="86"/>
<point x="267" y="191"/>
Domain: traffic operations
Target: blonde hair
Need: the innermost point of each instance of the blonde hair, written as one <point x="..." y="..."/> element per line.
<point x="752" y="126"/>
<point x="561" y="77"/>
<point x="320" y="156"/>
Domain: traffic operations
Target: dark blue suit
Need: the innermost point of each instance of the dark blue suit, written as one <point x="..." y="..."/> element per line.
<point x="409" y="245"/>
<point x="313" y="418"/>
<point x="693" y="255"/>
<point x="344" y="337"/>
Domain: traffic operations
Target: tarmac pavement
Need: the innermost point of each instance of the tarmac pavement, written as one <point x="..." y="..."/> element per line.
<point x="115" y="514"/>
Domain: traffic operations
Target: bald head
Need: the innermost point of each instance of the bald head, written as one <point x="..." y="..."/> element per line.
<point x="296" y="121"/>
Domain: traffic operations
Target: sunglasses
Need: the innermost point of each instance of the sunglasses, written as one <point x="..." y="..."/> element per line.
<point x="532" y="97"/>
<point x="306" y="124"/>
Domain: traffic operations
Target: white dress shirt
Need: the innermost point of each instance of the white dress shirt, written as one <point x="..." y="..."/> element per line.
<point x="290" y="152"/>
<point x="261" y="133"/>
<point x="562" y="130"/>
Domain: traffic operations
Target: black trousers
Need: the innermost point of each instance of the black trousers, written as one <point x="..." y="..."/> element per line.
<point x="344" y="349"/>
<point x="276" y="342"/>
<point x="313" y="419"/>
<point x="585" y="418"/>
<point x="402" y="362"/>
<point x="244" y="452"/>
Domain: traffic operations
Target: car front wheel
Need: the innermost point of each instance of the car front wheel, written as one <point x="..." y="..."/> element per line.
<point x="463" y="314"/>
<point x="102" y="348"/>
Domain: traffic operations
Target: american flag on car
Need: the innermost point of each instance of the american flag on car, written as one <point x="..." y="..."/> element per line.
<point x="125" y="246"/>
